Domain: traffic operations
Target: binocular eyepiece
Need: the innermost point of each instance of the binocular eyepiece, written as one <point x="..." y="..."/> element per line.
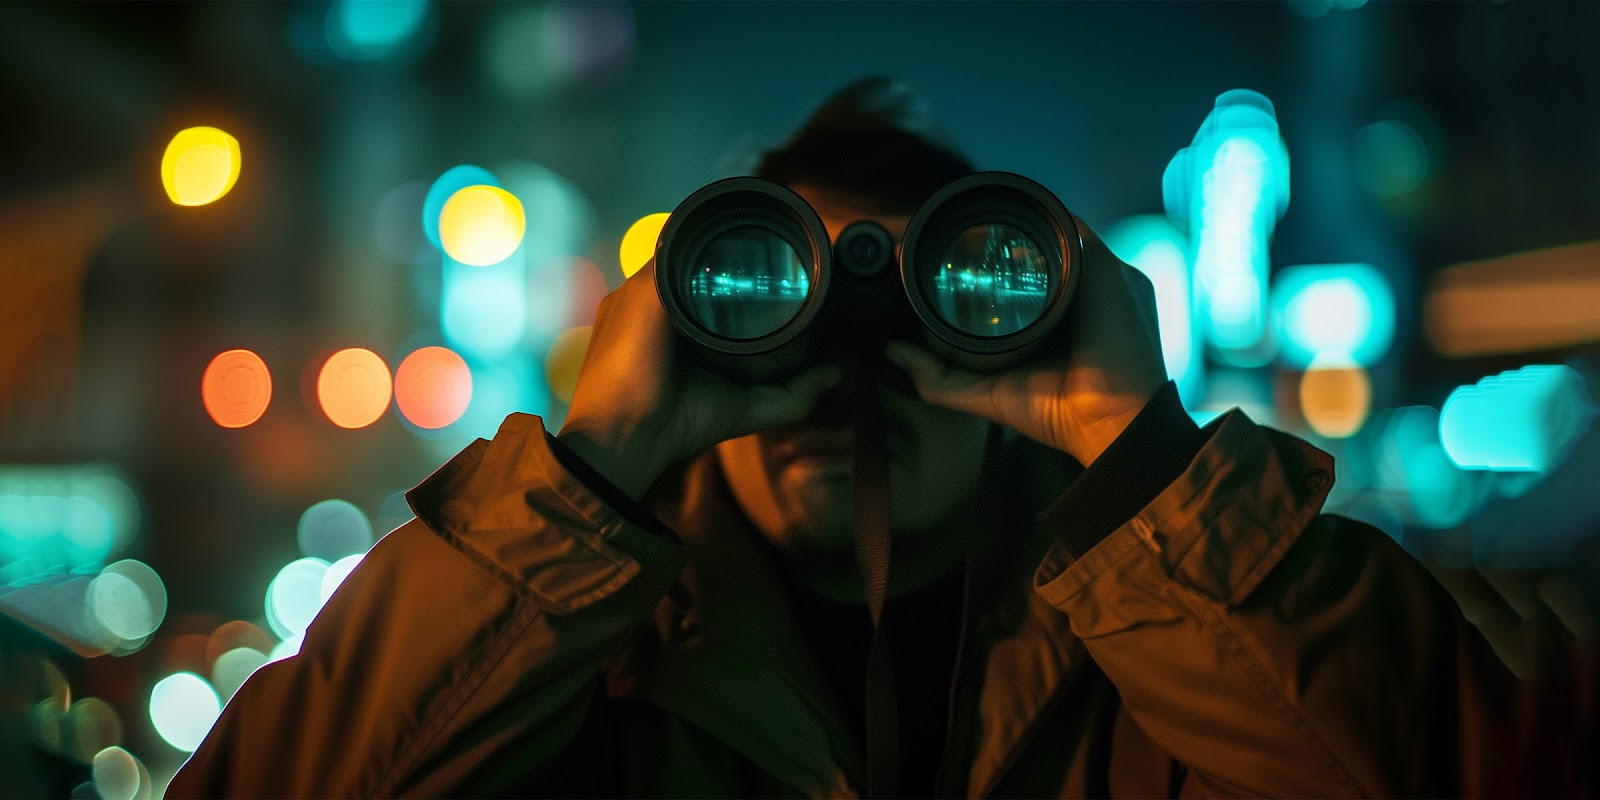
<point x="983" y="275"/>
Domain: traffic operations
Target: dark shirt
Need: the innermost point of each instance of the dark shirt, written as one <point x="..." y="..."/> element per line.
<point x="923" y="627"/>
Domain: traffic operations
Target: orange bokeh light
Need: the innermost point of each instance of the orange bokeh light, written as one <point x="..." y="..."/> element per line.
<point x="353" y="388"/>
<point x="236" y="388"/>
<point x="1335" y="397"/>
<point x="432" y="387"/>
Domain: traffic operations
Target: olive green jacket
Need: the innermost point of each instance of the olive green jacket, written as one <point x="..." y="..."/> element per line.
<point x="523" y="636"/>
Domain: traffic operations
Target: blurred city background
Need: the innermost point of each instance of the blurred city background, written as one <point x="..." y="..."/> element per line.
<point x="264" y="266"/>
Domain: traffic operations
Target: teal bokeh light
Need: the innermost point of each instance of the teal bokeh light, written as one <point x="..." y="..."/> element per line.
<point x="367" y="30"/>
<point x="1154" y="246"/>
<point x="333" y="529"/>
<point x="1332" y="309"/>
<point x="295" y="596"/>
<point x="183" y="708"/>
<point x="483" y="310"/>
<point x="56" y="519"/>
<point x="453" y="180"/>
<point x="1433" y="492"/>
<point x="1229" y="188"/>
<point x="1518" y="421"/>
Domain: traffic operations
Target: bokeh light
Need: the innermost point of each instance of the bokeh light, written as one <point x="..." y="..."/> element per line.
<point x="119" y="502"/>
<point x="432" y="387"/>
<point x="1520" y="420"/>
<point x="127" y="599"/>
<point x="233" y="635"/>
<point x="233" y="668"/>
<point x="483" y="311"/>
<point x="236" y="388"/>
<point x="1342" y="310"/>
<point x="565" y="360"/>
<point x="481" y="225"/>
<point x="453" y="180"/>
<point x="1538" y="300"/>
<point x="62" y="518"/>
<point x="639" y="243"/>
<point x="333" y="529"/>
<point x="1229" y="188"/>
<point x="560" y="219"/>
<point x="1151" y="244"/>
<point x="1436" y="493"/>
<point x="287" y="648"/>
<point x="367" y="30"/>
<point x="91" y="725"/>
<point x="116" y="774"/>
<point x="1335" y="396"/>
<point x="353" y="388"/>
<point x="295" y="596"/>
<point x="1390" y="157"/>
<point x="337" y="572"/>
<point x="499" y="389"/>
<point x="550" y="300"/>
<point x="200" y="165"/>
<point x="88" y="531"/>
<point x="183" y="707"/>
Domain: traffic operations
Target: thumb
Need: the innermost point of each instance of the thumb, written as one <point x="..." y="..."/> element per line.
<point x="939" y="383"/>
<point x="781" y="404"/>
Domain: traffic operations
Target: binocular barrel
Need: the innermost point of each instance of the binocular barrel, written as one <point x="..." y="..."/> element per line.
<point x="983" y="275"/>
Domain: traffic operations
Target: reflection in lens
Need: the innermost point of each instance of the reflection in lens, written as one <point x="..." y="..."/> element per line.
<point x="746" y="283"/>
<point x="993" y="280"/>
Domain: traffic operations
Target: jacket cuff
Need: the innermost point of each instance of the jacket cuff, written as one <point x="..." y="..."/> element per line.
<point x="1155" y="448"/>
<point x="630" y="509"/>
<point x="514" y="507"/>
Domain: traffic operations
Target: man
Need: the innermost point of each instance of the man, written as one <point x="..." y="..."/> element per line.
<point x="663" y="600"/>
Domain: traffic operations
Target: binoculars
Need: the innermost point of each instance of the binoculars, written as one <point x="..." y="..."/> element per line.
<point x="983" y="276"/>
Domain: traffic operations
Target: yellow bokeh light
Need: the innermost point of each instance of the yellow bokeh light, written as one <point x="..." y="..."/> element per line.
<point x="1335" y="397"/>
<point x="639" y="243"/>
<point x="200" y="166"/>
<point x="565" y="359"/>
<point x="481" y="225"/>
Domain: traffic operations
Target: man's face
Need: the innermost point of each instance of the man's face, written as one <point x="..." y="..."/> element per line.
<point x="795" y="482"/>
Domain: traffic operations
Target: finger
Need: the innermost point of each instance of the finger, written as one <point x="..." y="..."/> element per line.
<point x="939" y="383"/>
<point x="783" y="404"/>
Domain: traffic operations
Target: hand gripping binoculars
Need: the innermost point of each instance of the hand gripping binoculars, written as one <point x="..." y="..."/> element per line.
<point x="983" y="276"/>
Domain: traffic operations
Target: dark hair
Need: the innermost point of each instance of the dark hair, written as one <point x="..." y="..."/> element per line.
<point x="872" y="139"/>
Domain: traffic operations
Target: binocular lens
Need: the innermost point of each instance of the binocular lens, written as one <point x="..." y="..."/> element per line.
<point x="992" y="280"/>
<point x="983" y="274"/>
<point x="745" y="283"/>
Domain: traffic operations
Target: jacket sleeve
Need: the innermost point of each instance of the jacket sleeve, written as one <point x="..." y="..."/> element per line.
<point x="465" y="647"/>
<point x="1276" y="651"/>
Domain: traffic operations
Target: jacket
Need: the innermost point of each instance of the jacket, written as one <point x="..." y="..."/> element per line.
<point x="525" y="635"/>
